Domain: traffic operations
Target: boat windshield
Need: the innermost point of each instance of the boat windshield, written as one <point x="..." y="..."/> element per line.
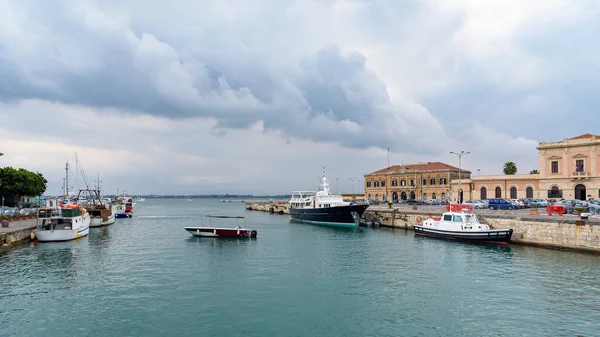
<point x="457" y="218"/>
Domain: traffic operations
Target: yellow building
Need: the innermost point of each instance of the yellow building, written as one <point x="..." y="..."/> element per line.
<point x="568" y="169"/>
<point x="417" y="181"/>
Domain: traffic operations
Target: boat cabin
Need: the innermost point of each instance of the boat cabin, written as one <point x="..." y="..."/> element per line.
<point x="459" y="221"/>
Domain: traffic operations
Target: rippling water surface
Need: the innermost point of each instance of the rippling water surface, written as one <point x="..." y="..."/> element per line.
<point x="146" y="276"/>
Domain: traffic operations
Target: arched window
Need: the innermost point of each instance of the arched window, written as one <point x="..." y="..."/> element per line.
<point x="377" y="197"/>
<point x="442" y="181"/>
<point x="554" y="192"/>
<point x="369" y="197"/>
<point x="443" y="196"/>
<point x="403" y="195"/>
<point x="383" y="183"/>
<point x="498" y="192"/>
<point x="424" y="196"/>
<point x="394" y="182"/>
<point x="483" y="193"/>
<point x="513" y="192"/>
<point x="412" y="196"/>
<point x="433" y="196"/>
<point x="529" y="192"/>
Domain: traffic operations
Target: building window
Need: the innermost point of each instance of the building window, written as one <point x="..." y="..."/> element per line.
<point x="483" y="193"/>
<point x="554" y="167"/>
<point x="412" y="183"/>
<point x="412" y="195"/>
<point x="554" y="192"/>
<point x="424" y="196"/>
<point x="442" y="181"/>
<point x="383" y="183"/>
<point x="368" y="184"/>
<point x="433" y="181"/>
<point x="529" y="192"/>
<point x="402" y="182"/>
<point x="376" y="197"/>
<point x="433" y="196"/>
<point x="394" y="182"/>
<point x="369" y="197"/>
<point x="443" y="196"/>
<point x="579" y="165"/>
<point x="424" y="182"/>
<point x="513" y="192"/>
<point x="376" y="184"/>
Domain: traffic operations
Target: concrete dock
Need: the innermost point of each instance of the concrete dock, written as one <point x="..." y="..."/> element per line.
<point x="17" y="231"/>
<point x="561" y="232"/>
<point x="276" y="207"/>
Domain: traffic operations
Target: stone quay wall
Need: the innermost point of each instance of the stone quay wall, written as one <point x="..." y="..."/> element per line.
<point x="271" y="207"/>
<point x="562" y="232"/>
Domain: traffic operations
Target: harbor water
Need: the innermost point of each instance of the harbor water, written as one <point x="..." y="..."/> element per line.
<point x="146" y="276"/>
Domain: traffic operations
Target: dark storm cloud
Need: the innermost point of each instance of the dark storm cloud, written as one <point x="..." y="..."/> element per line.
<point x="82" y="56"/>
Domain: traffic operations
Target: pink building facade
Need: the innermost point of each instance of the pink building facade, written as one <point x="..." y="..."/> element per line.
<point x="569" y="169"/>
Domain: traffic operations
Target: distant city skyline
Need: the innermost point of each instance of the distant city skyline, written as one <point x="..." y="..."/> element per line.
<point x="214" y="98"/>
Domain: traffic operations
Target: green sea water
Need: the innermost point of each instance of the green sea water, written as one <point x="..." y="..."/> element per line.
<point x="146" y="276"/>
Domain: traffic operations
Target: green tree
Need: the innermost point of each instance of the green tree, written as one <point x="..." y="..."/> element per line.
<point x="510" y="168"/>
<point x="21" y="182"/>
<point x="534" y="172"/>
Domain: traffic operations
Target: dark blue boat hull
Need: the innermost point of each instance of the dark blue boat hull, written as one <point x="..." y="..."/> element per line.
<point x="341" y="216"/>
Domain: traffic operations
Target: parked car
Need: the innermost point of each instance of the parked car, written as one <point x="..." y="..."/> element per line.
<point x="518" y="202"/>
<point x="501" y="203"/>
<point x="474" y="204"/>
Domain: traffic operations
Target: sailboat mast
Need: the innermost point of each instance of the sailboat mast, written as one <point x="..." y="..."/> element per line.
<point x="67" y="180"/>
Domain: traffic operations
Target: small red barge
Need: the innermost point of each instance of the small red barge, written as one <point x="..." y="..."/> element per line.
<point x="210" y="231"/>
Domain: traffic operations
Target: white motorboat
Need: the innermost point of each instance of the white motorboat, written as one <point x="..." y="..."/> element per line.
<point x="462" y="226"/>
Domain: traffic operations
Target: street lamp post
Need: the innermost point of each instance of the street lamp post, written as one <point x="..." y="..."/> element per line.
<point x="352" y="183"/>
<point x="462" y="153"/>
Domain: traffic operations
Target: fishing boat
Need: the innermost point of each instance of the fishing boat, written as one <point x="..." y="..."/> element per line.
<point x="462" y="225"/>
<point x="124" y="207"/>
<point x="101" y="213"/>
<point x="222" y="232"/>
<point x="325" y="208"/>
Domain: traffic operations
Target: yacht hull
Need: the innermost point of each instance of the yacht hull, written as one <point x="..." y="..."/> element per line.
<point x="338" y="216"/>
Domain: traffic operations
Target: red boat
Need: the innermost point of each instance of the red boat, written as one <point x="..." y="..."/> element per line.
<point x="211" y="231"/>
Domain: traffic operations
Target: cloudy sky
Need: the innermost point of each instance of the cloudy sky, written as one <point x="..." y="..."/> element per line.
<point x="255" y="96"/>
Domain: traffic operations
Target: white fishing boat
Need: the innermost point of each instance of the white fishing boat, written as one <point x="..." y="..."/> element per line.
<point x="62" y="222"/>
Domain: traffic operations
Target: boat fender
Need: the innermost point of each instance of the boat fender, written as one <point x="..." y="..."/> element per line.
<point x="419" y="219"/>
<point x="32" y="235"/>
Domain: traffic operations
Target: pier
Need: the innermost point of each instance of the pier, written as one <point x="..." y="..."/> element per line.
<point x="17" y="231"/>
<point x="273" y="207"/>
<point x="559" y="232"/>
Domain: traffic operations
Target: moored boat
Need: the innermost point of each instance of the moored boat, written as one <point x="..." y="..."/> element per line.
<point x="124" y="207"/>
<point x="462" y="226"/>
<point x="215" y="232"/>
<point x="55" y="223"/>
<point x="325" y="208"/>
<point x="102" y="213"/>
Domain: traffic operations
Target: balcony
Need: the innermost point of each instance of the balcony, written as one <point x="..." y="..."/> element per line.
<point x="580" y="175"/>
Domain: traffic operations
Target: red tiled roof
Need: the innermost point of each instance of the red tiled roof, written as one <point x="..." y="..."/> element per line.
<point x="585" y="135"/>
<point x="430" y="166"/>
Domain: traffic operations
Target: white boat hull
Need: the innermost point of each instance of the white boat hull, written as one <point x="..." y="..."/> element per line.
<point x="99" y="222"/>
<point x="65" y="234"/>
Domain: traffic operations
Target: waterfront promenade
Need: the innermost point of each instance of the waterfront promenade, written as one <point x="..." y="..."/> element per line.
<point x="17" y="231"/>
